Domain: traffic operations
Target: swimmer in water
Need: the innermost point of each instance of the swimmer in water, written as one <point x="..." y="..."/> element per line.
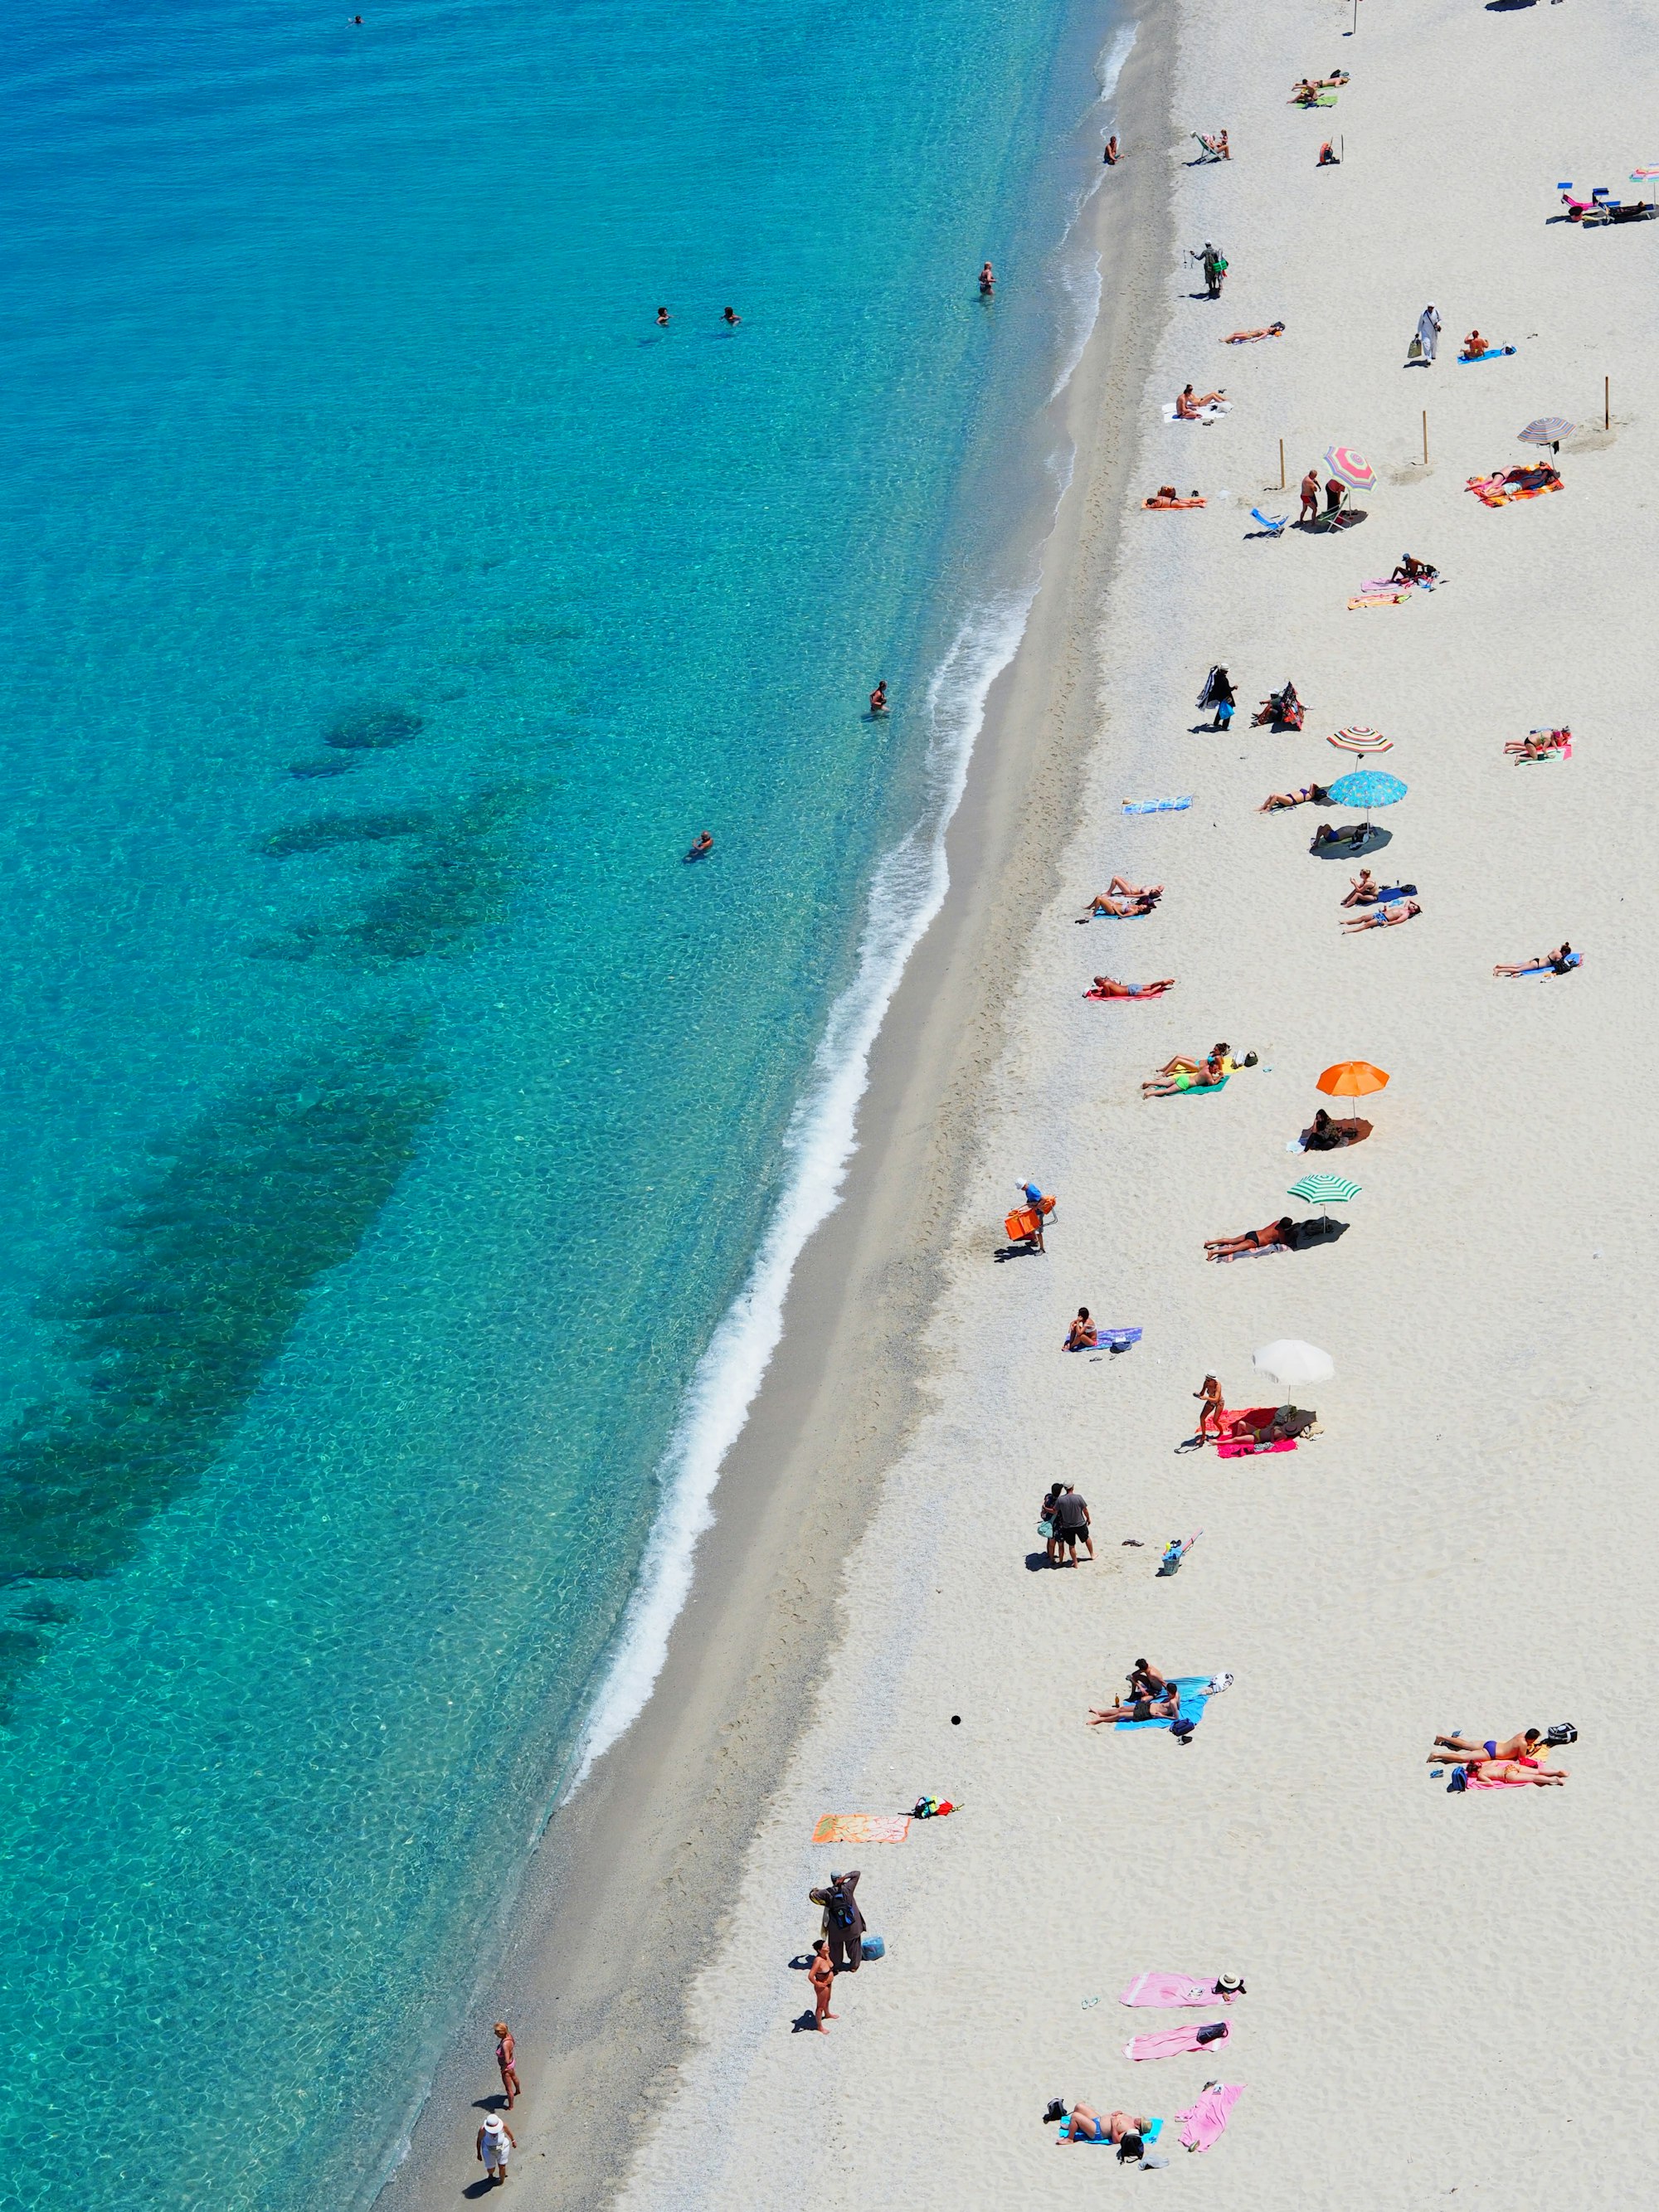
<point x="730" y="315"/>
<point x="878" y="698"/>
<point x="704" y="843"/>
<point x="987" y="281"/>
<point x="662" y="318"/>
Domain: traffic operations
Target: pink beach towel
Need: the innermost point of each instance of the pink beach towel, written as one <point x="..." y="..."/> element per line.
<point x="1172" y="2042"/>
<point x="1203" y="2125"/>
<point x="1237" y="1448"/>
<point x="1167" y="1991"/>
<point x="1511" y="1782"/>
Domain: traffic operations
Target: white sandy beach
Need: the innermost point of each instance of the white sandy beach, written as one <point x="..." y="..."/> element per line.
<point x="1445" y="1993"/>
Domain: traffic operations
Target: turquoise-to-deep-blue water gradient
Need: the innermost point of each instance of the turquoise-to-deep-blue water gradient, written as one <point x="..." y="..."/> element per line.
<point x="389" y="1118"/>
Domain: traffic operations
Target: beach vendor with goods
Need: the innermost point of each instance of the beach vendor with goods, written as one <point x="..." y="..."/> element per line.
<point x="844" y="1922"/>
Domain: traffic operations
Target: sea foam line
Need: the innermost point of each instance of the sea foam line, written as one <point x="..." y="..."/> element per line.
<point x="906" y="894"/>
<point x="1081" y="279"/>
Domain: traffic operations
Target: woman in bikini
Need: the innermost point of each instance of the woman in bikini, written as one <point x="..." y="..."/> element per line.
<point x="1087" y="2125"/>
<point x="1560" y="960"/>
<point x="1202" y="1078"/>
<point x="1181" y="1066"/>
<point x="1277" y="1233"/>
<point x="1191" y="403"/>
<point x="1081" y="1337"/>
<point x="1277" y="801"/>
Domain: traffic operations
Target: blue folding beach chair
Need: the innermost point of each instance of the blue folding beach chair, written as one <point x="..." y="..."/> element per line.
<point x="1273" y="523"/>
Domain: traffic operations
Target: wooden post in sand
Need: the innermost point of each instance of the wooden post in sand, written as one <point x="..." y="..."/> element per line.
<point x="1425" y="437"/>
<point x="1281" y="464"/>
<point x="1607" y="403"/>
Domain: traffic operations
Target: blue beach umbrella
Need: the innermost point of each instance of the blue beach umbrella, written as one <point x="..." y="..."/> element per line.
<point x="1367" y="788"/>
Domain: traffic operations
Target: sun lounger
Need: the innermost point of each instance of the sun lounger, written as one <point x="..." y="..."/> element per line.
<point x="1202" y="2123"/>
<point x="1172" y="1991"/>
<point x="1176" y="2042"/>
<point x="1273" y="523"/>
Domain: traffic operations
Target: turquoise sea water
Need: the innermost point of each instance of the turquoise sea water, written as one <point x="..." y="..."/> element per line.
<point x="391" y="1123"/>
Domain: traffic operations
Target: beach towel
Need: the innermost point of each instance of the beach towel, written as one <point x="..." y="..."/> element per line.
<point x="1216" y="409"/>
<point x="1106" y="1340"/>
<point x="1498" y="491"/>
<point x="1169" y="505"/>
<point x="1380" y="598"/>
<point x="862" y="1828"/>
<point x="1563" y="751"/>
<point x="1394" y="584"/>
<point x="1543" y="966"/>
<point x="1175" y="2042"/>
<point x="1149" y="2133"/>
<point x="1169" y="1991"/>
<point x="1202" y="2123"/>
<point x="1319" y="100"/>
<point x="1493" y="353"/>
<point x="1241" y="1448"/>
<point x="1193" y="1699"/>
<point x="1158" y="806"/>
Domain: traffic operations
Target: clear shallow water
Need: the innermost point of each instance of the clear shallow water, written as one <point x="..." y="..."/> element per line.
<point x="391" y="1120"/>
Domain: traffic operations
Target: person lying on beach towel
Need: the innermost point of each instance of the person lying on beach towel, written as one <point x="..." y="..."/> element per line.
<point x="1523" y="1745"/>
<point x="1523" y="482"/>
<point x="1122" y="897"/>
<point x="1249" y="338"/>
<point x="1107" y="987"/>
<point x="1558" y="962"/>
<point x="1189" y="407"/>
<point x="1276" y="1236"/>
<point x="1202" y="1078"/>
<point x="1385" y="917"/>
<point x="1084" y="2124"/>
<point x="1166" y="1708"/>
<point x="1169" y="1992"/>
<point x="1311" y="793"/>
<point x="1222" y="1052"/>
<point x="1509" y="1774"/>
<point x="1167" y="496"/>
<point x="1540" y="744"/>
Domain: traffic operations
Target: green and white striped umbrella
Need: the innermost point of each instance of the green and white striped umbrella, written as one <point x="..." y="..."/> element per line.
<point x="1325" y="1189"/>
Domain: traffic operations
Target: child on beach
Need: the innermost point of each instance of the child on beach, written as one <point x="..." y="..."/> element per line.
<point x="821" y="1975"/>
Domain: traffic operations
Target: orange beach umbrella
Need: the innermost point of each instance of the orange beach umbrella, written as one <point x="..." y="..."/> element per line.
<point x="1352" y="1078"/>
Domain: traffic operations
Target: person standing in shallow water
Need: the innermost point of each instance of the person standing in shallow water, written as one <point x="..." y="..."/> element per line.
<point x="505" y="2056"/>
<point x="987" y="281"/>
<point x="731" y="318"/>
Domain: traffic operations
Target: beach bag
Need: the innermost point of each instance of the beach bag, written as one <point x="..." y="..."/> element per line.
<point x="1214" y="2032"/>
<point x="1045" y="1530"/>
<point x="873" y="1947"/>
<point x="1562" y="1732"/>
<point x="1414" y="350"/>
<point x="1183" y="1731"/>
<point x="1460" y="1780"/>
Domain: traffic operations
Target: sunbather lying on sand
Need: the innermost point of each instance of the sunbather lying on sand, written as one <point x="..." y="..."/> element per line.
<point x="1166" y="1708"/>
<point x="1244" y="337"/>
<point x="1514" y="1770"/>
<point x="1275" y="1237"/>
<point x="1190" y="404"/>
<point x="1201" y="1079"/>
<point x="1276" y="801"/>
<point x="1167" y="496"/>
<point x="1087" y="2125"/>
<point x="1122" y="897"/>
<point x="1560" y="960"/>
<point x="1538" y="744"/>
<point x="1181" y="1066"/>
<point x="1521" y="1746"/>
<point x="1107" y="987"/>
<point x="1385" y="917"/>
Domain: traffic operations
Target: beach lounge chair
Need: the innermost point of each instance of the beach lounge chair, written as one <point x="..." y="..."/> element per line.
<point x="1271" y="524"/>
<point x="1212" y="149"/>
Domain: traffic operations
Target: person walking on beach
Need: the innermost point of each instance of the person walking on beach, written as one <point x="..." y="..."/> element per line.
<point x="1428" y="332"/>
<point x="844" y="1922"/>
<point x="821" y="1975"/>
<point x="1211" y="1407"/>
<point x="1215" y="269"/>
<point x="1310" y="496"/>
<point x="505" y="2053"/>
<point x="496" y="2143"/>
<point x="1219" y="693"/>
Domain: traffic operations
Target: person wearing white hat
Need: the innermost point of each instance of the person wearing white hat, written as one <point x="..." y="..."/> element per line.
<point x="496" y="2142"/>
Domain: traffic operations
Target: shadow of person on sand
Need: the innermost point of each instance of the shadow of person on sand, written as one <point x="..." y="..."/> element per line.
<point x="1015" y="1252"/>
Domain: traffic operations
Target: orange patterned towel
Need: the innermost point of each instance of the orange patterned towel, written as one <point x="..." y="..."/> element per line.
<point x="862" y="1828"/>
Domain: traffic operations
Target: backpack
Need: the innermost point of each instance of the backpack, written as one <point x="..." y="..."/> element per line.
<point x="1214" y="2032"/>
<point x="1562" y="1732"/>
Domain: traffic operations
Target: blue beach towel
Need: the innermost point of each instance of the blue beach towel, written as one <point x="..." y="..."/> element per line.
<point x="1543" y="967"/>
<point x="1192" y="1704"/>
<point x="1106" y="1338"/>
<point x="1158" y="806"/>
<point x="1493" y="353"/>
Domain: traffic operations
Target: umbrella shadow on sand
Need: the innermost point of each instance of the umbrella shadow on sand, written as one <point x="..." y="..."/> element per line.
<point x="1309" y="1236"/>
<point x="1347" y="848"/>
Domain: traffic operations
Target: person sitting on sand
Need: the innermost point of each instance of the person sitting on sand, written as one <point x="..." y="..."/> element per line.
<point x="1166" y="1708"/>
<point x="1121" y="897"/>
<point x="1146" y="1681"/>
<point x="1557" y="962"/>
<point x="1385" y="917"/>
<point x="1084" y="2124"/>
<point x="1113" y="157"/>
<point x="1325" y="1135"/>
<point x="1363" y="889"/>
<point x="1410" y="570"/>
<point x="1524" y="1746"/>
<point x="1202" y="1078"/>
<point x="1081" y="1337"/>
<point x="1328" y="157"/>
<point x="1191" y="404"/>
<point x="1277" y="801"/>
<point x="1246" y="337"/>
<point x="1276" y="1236"/>
<point x="1473" y="346"/>
<point x="1107" y="987"/>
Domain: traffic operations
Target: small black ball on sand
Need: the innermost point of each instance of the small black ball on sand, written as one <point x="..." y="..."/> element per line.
<point x="956" y="1719"/>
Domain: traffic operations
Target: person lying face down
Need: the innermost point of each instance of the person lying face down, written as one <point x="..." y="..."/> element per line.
<point x="1206" y="1078"/>
<point x="1558" y="961"/>
<point x="1514" y="1770"/>
<point x="1164" y="1708"/>
<point x="1277" y="1235"/>
<point x="1521" y="1746"/>
<point x="1107" y="987"/>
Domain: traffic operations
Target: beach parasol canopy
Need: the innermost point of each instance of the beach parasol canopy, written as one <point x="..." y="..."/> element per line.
<point x="1353" y="468"/>
<point x="1292" y="1362"/>
<point x="1367" y="788"/>
<point x="1324" y="1190"/>
<point x="1360" y="739"/>
<point x="1352" y="1078"/>
<point x="1547" y="430"/>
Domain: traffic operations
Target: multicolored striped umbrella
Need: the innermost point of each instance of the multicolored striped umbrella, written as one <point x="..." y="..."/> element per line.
<point x="1353" y="468"/>
<point x="1547" y="430"/>
<point x="1361" y="740"/>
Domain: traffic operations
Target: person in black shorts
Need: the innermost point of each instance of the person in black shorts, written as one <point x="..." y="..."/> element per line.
<point x="1071" y="1522"/>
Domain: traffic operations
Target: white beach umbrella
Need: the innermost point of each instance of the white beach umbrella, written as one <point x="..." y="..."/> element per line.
<point x="1292" y="1362"/>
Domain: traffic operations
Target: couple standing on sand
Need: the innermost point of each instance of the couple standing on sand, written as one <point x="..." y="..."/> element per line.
<point x="496" y="2141"/>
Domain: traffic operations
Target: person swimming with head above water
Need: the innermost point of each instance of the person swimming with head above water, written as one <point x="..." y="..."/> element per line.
<point x="703" y="843"/>
<point x="878" y="698"/>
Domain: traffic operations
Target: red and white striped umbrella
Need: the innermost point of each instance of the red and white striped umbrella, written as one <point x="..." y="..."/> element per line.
<point x="1362" y="740"/>
<point x="1353" y="468"/>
